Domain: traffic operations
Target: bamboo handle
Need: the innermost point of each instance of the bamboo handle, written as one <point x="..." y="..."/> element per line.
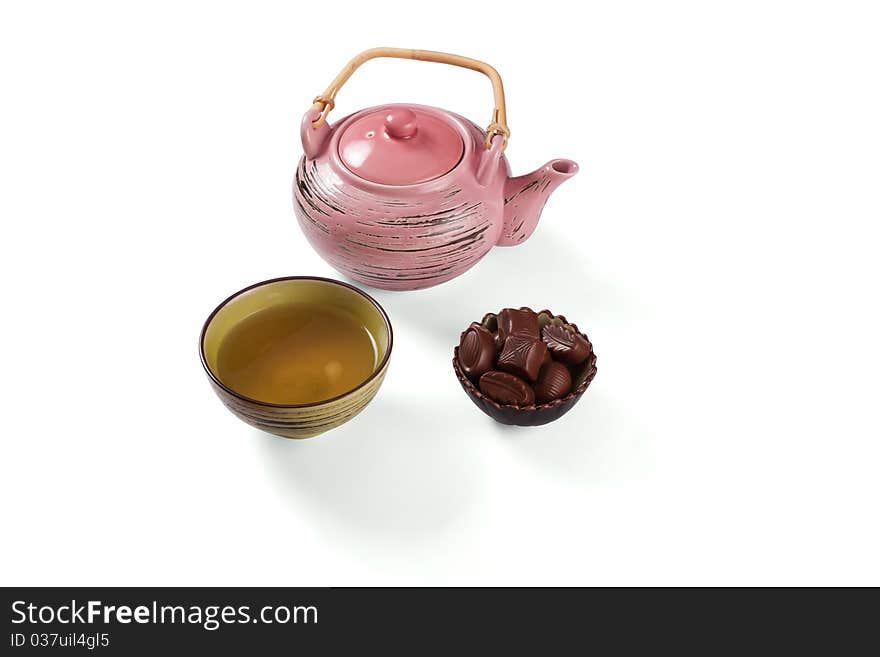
<point x="326" y="101"/>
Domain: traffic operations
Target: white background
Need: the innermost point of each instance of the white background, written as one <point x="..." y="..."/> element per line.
<point x="719" y="246"/>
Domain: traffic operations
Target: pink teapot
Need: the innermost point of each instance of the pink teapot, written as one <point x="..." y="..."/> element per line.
<point x="403" y="197"/>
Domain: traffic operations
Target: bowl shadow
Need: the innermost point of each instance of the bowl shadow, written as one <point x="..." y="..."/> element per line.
<point x="596" y="442"/>
<point x="392" y="471"/>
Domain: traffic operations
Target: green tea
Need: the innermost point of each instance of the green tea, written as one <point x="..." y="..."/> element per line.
<point x="296" y="354"/>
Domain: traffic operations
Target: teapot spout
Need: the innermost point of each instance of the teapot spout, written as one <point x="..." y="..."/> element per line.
<point x="525" y="196"/>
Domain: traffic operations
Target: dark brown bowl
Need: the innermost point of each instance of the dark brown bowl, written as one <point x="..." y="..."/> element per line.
<point x="537" y="414"/>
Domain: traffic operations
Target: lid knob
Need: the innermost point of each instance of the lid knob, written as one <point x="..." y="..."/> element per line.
<point x="400" y="123"/>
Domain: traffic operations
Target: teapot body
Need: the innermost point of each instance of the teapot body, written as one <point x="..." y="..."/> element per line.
<point x="404" y="197"/>
<point x="402" y="237"/>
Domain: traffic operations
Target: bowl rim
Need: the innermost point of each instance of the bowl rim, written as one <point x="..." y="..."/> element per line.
<point x="376" y="371"/>
<point x="474" y="391"/>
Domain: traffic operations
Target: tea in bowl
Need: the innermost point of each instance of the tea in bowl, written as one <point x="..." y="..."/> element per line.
<point x="296" y="356"/>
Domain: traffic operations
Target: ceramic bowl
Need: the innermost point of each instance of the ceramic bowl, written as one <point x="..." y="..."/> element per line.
<point x="297" y="420"/>
<point x="538" y="414"/>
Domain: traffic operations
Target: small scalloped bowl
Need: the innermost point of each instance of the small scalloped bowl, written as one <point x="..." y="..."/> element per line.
<point x="535" y="415"/>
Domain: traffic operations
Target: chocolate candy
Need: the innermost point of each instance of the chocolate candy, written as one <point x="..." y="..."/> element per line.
<point x="522" y="322"/>
<point x="521" y="364"/>
<point x="499" y="341"/>
<point x="554" y="381"/>
<point x="565" y="344"/>
<point x="506" y="389"/>
<point x="476" y="352"/>
<point x="523" y="356"/>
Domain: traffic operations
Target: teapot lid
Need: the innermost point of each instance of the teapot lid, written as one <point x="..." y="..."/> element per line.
<point x="400" y="145"/>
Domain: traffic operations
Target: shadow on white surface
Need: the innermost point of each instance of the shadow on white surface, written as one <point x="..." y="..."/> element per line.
<point x="395" y="470"/>
<point x="594" y="442"/>
<point x="545" y="272"/>
<point x="405" y="471"/>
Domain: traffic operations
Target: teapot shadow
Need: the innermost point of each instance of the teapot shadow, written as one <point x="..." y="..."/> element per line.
<point x="388" y="473"/>
<point x="545" y="272"/>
